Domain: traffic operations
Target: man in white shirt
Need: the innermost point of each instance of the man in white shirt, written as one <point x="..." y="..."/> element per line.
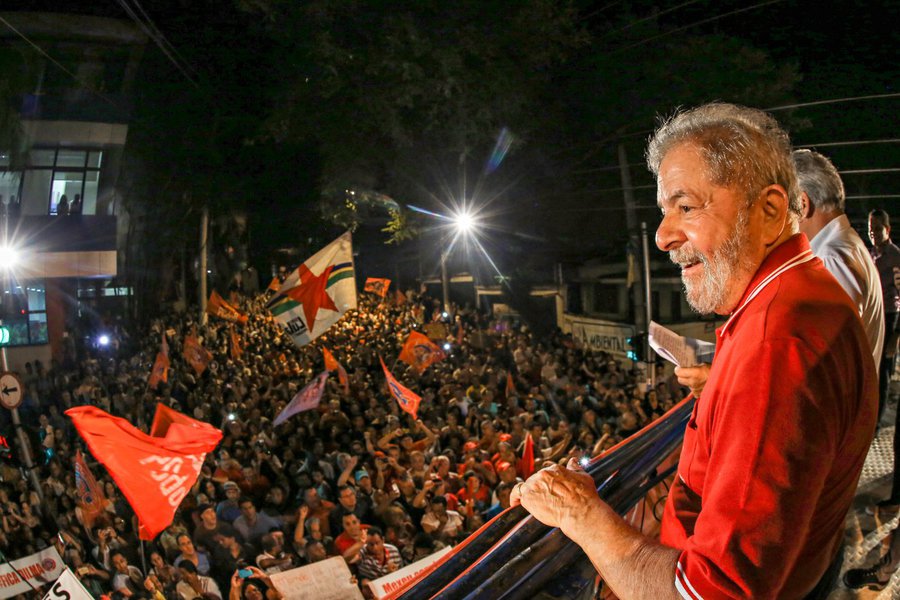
<point x="838" y="245"/>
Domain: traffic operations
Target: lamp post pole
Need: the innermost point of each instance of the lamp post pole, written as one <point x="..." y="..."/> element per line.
<point x="24" y="446"/>
<point x="445" y="281"/>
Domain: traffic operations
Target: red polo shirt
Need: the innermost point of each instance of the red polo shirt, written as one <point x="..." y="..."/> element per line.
<point x="774" y="449"/>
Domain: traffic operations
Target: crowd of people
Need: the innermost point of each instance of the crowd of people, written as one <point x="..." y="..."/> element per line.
<point x="356" y="478"/>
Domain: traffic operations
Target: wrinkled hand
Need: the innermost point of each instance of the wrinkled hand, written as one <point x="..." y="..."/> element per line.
<point x="556" y="495"/>
<point x="693" y="377"/>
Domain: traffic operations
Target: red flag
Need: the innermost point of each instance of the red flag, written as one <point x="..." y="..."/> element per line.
<point x="306" y="399"/>
<point x="90" y="494"/>
<point x="274" y="285"/>
<point x="510" y="385"/>
<point x="399" y="298"/>
<point x="160" y="371"/>
<point x="218" y="307"/>
<point x="236" y="349"/>
<point x="154" y="473"/>
<point x="195" y="354"/>
<point x="408" y="400"/>
<point x="331" y="364"/>
<point x="377" y="285"/>
<point x="526" y="463"/>
<point x="420" y="353"/>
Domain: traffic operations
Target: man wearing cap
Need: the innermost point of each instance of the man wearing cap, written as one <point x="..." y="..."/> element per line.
<point x="773" y="451"/>
<point x="228" y="509"/>
<point x="210" y="528"/>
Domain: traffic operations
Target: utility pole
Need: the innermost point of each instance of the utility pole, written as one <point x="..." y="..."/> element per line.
<point x="204" y="229"/>
<point x="637" y="296"/>
<point x="648" y="303"/>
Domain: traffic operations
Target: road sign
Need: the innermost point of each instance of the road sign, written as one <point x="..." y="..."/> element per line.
<point x="10" y="390"/>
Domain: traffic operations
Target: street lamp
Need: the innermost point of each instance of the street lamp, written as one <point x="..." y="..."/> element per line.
<point x="463" y="224"/>
<point x="9" y="259"/>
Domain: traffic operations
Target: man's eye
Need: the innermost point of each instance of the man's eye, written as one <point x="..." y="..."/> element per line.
<point x="685" y="209"/>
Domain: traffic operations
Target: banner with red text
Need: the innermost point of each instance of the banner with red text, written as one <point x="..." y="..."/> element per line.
<point x="383" y="586"/>
<point x="38" y="569"/>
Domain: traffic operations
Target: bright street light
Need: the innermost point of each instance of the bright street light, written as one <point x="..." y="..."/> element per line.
<point x="464" y="222"/>
<point x="9" y="257"/>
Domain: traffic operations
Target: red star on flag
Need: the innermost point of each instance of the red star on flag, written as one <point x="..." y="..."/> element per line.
<point x="311" y="294"/>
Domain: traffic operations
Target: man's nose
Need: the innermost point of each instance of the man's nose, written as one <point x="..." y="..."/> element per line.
<point x="669" y="235"/>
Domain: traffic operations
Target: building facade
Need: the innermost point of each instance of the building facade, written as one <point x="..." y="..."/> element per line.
<point x="59" y="195"/>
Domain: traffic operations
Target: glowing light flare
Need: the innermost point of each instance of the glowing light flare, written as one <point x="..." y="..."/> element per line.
<point x="9" y="257"/>
<point x="103" y="340"/>
<point x="465" y="222"/>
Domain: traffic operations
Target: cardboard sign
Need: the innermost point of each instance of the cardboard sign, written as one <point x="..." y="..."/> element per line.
<point x="325" y="580"/>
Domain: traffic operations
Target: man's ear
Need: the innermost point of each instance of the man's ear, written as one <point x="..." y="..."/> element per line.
<point x="775" y="206"/>
<point x="808" y="208"/>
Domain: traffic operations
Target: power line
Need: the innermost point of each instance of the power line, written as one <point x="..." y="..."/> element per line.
<point x="869" y="171"/>
<point x="850" y="143"/>
<point x="834" y="101"/>
<point x="648" y="18"/>
<point x="156" y="39"/>
<point x="43" y="53"/>
<point x="165" y="40"/>
<point x="873" y="197"/>
<point x="695" y="24"/>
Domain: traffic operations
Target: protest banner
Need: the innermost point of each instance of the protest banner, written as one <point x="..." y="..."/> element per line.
<point x="324" y="580"/>
<point x="38" y="570"/>
<point x="67" y="587"/>
<point x="383" y="586"/>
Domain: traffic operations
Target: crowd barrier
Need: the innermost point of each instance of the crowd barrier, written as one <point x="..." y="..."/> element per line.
<point x="515" y="556"/>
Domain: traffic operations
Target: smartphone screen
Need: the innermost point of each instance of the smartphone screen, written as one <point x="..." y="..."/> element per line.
<point x="245" y="573"/>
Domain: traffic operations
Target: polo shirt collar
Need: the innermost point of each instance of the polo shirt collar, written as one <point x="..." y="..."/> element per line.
<point x="785" y="253"/>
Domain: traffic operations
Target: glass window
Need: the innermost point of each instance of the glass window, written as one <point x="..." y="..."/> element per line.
<point x="37" y="297"/>
<point x="68" y="184"/>
<point x="9" y="186"/>
<point x="71" y="158"/>
<point x="91" y="185"/>
<point x="4" y="159"/>
<point x="41" y="158"/>
<point x="94" y="160"/>
<point x="36" y="191"/>
<point x="37" y="328"/>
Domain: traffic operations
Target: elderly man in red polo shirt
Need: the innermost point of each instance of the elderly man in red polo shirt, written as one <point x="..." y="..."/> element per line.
<point x="774" y="449"/>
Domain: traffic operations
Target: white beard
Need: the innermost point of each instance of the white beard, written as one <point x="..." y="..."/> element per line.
<point x="710" y="291"/>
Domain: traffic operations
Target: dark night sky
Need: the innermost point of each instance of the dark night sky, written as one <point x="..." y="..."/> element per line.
<point x="843" y="49"/>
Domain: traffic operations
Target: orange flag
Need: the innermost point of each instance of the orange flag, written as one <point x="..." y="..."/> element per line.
<point x="331" y="364"/>
<point x="90" y="494"/>
<point x="274" y="285"/>
<point x="377" y="286"/>
<point x="399" y="297"/>
<point x="195" y="354"/>
<point x="526" y="463"/>
<point x="218" y="307"/>
<point x="160" y="370"/>
<point x="420" y="353"/>
<point x="510" y="385"/>
<point x="236" y="349"/>
<point x="406" y="398"/>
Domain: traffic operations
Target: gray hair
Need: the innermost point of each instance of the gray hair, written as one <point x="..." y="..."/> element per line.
<point x="741" y="146"/>
<point x="820" y="180"/>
